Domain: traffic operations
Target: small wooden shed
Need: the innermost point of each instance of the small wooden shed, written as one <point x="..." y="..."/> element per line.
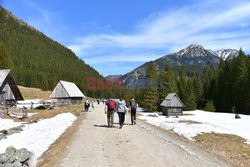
<point x="9" y="92"/>
<point x="66" y="92"/>
<point x="172" y="105"/>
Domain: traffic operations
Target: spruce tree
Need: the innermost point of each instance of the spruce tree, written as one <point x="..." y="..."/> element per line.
<point x="4" y="58"/>
<point x="241" y="86"/>
<point x="169" y="85"/>
<point x="190" y="98"/>
<point x="224" y="85"/>
<point x="197" y="88"/>
<point x="247" y="96"/>
<point x="150" y="93"/>
<point x="182" y="86"/>
<point x="207" y="84"/>
<point x="210" y="106"/>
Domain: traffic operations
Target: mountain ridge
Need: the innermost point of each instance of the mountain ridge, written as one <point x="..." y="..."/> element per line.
<point x="113" y="76"/>
<point x="193" y="58"/>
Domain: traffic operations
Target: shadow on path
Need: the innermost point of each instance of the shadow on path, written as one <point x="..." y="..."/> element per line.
<point x="105" y="126"/>
<point x="101" y="126"/>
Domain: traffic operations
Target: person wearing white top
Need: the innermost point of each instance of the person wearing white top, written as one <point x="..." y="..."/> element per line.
<point x="121" y="111"/>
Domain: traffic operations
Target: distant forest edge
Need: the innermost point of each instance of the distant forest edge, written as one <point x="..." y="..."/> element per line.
<point x="36" y="60"/>
<point x="225" y="89"/>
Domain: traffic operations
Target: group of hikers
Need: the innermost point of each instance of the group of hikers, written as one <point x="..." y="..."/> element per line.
<point x="121" y="108"/>
<point x="87" y="105"/>
<point x="112" y="106"/>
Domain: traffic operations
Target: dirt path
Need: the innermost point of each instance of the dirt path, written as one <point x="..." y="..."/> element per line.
<point x="142" y="145"/>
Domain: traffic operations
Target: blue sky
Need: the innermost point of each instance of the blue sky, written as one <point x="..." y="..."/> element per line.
<point x="115" y="36"/>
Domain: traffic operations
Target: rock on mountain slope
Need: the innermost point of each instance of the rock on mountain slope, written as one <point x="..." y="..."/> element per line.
<point x="193" y="58"/>
<point x="113" y="76"/>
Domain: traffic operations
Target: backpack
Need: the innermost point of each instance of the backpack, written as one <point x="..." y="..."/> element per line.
<point x="111" y="105"/>
<point x="133" y="105"/>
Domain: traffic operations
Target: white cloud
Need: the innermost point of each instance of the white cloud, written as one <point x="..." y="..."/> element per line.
<point x="211" y="26"/>
<point x="211" y="23"/>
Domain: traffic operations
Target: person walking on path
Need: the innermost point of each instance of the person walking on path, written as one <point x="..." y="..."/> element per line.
<point x="86" y="106"/>
<point x="110" y="110"/>
<point x="133" y="106"/>
<point x="121" y="111"/>
<point x="93" y="105"/>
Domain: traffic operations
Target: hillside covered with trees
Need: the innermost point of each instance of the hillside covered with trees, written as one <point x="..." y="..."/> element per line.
<point x="223" y="89"/>
<point x="36" y="60"/>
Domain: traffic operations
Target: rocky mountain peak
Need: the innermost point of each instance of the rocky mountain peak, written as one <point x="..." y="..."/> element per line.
<point x="193" y="50"/>
<point x="195" y="46"/>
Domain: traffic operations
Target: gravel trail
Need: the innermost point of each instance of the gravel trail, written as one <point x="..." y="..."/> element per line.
<point x="95" y="145"/>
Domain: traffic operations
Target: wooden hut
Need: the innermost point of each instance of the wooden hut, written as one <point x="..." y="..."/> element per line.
<point x="9" y="92"/>
<point x="172" y="105"/>
<point x="66" y="92"/>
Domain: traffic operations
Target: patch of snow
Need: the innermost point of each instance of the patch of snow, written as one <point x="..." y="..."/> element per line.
<point x="20" y="115"/>
<point x="169" y="141"/>
<point x="37" y="137"/>
<point x="226" y="53"/>
<point x="209" y="122"/>
<point x="6" y="124"/>
<point x="29" y="103"/>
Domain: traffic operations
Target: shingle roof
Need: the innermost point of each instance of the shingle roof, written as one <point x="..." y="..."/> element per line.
<point x="6" y="79"/>
<point x="172" y="100"/>
<point x="72" y="89"/>
<point x="170" y="95"/>
<point x="66" y="89"/>
<point x="3" y="74"/>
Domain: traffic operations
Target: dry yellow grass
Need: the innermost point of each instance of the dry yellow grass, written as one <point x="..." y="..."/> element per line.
<point x="34" y="93"/>
<point x="185" y="114"/>
<point x="189" y="122"/>
<point x="43" y="114"/>
<point x="230" y="148"/>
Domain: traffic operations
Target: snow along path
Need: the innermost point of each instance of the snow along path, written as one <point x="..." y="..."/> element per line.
<point x="6" y="124"/>
<point x="208" y="122"/>
<point x="37" y="137"/>
<point x="94" y="144"/>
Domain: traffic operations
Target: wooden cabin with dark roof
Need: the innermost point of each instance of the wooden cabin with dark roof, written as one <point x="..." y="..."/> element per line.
<point x="9" y="92"/>
<point x="172" y="105"/>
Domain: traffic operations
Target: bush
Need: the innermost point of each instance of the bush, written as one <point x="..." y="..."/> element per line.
<point x="210" y="106"/>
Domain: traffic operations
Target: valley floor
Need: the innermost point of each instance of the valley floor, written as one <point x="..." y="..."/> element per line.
<point x="93" y="144"/>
